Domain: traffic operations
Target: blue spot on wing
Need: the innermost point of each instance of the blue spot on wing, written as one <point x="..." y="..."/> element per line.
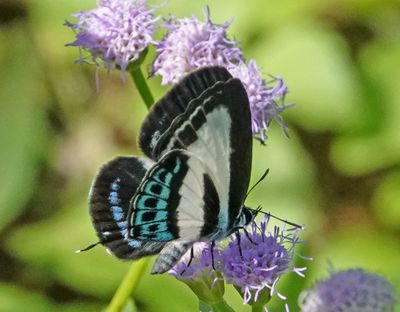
<point x="134" y="243"/>
<point x="114" y="199"/>
<point x="118" y="213"/>
<point x="115" y="185"/>
<point x="124" y="232"/>
<point x="177" y="166"/>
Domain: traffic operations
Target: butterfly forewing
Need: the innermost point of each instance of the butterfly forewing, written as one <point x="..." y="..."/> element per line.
<point x="174" y="103"/>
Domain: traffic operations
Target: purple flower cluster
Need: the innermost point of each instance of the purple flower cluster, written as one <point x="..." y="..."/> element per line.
<point x="352" y="290"/>
<point x="200" y="276"/>
<point x="264" y="97"/>
<point x="116" y="32"/>
<point x="202" y="262"/>
<point x="265" y="257"/>
<point x="191" y="44"/>
<point x="262" y="259"/>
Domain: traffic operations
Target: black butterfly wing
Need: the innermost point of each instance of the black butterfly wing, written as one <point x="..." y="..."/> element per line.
<point x="175" y="103"/>
<point x="109" y="201"/>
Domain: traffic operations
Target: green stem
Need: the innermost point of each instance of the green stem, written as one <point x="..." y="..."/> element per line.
<point x="142" y="86"/>
<point x="220" y="306"/>
<point x="128" y="286"/>
<point x="257" y="307"/>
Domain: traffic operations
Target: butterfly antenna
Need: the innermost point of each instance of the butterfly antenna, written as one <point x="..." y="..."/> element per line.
<point x="258" y="210"/>
<point x="88" y="247"/>
<point x="258" y="182"/>
<point x="285" y="221"/>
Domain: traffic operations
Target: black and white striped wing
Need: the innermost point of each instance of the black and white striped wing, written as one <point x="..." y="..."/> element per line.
<point x="196" y="86"/>
<point x="176" y="203"/>
<point x="216" y="127"/>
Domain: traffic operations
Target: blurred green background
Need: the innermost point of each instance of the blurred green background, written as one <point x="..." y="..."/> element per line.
<point x="339" y="173"/>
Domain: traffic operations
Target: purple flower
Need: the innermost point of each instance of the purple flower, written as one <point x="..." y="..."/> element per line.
<point x="116" y="32"/>
<point x="201" y="261"/>
<point x="191" y="44"/>
<point x="200" y="276"/>
<point x="352" y="290"/>
<point x="265" y="258"/>
<point x="264" y="97"/>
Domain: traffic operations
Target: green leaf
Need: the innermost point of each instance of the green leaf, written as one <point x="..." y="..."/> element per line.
<point x="387" y="201"/>
<point x="16" y="299"/>
<point x="357" y="154"/>
<point x="315" y="64"/>
<point x="23" y="126"/>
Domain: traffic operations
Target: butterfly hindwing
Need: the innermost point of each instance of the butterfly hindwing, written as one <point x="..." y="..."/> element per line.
<point x="109" y="201"/>
<point x="155" y="203"/>
<point x="174" y="200"/>
<point x="170" y="255"/>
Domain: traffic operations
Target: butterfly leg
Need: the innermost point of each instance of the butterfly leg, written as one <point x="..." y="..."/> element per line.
<point x="248" y="236"/>
<point x="212" y="255"/>
<point x="190" y="260"/>
<point x="237" y="234"/>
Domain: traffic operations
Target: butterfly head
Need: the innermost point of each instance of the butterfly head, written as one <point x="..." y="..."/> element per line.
<point x="247" y="216"/>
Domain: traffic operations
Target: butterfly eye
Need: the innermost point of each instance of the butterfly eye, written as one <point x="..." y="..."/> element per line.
<point x="246" y="217"/>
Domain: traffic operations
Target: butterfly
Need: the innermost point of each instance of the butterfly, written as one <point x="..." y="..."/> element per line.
<point x="191" y="184"/>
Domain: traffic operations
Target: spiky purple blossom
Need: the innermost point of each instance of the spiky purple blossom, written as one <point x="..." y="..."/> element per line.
<point x="265" y="258"/>
<point x="115" y="33"/>
<point x="202" y="261"/>
<point x="191" y="44"/>
<point x="265" y="98"/>
<point x="353" y="290"/>
<point x="200" y="276"/>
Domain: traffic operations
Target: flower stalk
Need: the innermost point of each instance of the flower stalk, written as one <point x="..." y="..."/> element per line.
<point x="128" y="286"/>
<point x="219" y="306"/>
<point x="142" y="86"/>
